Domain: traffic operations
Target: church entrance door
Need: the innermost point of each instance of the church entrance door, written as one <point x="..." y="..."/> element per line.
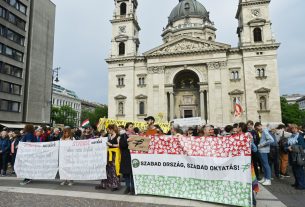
<point x="187" y="98"/>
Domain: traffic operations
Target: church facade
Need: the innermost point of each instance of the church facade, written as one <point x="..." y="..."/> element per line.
<point x="191" y="74"/>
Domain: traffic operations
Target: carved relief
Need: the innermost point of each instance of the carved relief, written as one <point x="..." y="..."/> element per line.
<point x="217" y="65"/>
<point x="156" y="69"/>
<point x="184" y="46"/>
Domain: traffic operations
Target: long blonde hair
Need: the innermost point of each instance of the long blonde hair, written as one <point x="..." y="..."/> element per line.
<point x="67" y="129"/>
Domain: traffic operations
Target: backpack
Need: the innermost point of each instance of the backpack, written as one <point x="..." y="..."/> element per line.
<point x="298" y="155"/>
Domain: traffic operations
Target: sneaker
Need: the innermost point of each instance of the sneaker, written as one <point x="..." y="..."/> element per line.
<point x="286" y="175"/>
<point x="262" y="180"/>
<point x="64" y="183"/>
<point x="70" y="183"/>
<point x="267" y="182"/>
<point x="3" y="174"/>
<point x="25" y="181"/>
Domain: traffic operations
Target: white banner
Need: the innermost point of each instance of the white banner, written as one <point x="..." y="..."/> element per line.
<point x="204" y="168"/>
<point x="37" y="160"/>
<point x="189" y="122"/>
<point x="83" y="159"/>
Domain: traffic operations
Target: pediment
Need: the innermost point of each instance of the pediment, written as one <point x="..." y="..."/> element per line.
<point x="141" y="96"/>
<point x="262" y="90"/>
<point x="186" y="45"/>
<point x="236" y="92"/>
<point x="120" y="97"/>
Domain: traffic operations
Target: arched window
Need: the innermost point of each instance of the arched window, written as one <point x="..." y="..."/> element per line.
<point x="123" y="9"/>
<point x="141" y="108"/>
<point x="121" y="108"/>
<point x="263" y="103"/>
<point x="257" y="34"/>
<point x="262" y="72"/>
<point x="232" y="75"/>
<point x="210" y="38"/>
<point x="258" y="72"/>
<point x="122" y="48"/>
<point x="236" y="75"/>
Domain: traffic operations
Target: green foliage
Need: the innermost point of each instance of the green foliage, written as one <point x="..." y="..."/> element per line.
<point x="64" y="115"/>
<point x="291" y="114"/>
<point x="94" y="116"/>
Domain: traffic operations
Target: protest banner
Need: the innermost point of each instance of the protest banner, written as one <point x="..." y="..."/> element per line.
<point x="195" y="121"/>
<point x="104" y="123"/>
<point x="83" y="159"/>
<point x="139" y="143"/>
<point x="213" y="169"/>
<point x="37" y="160"/>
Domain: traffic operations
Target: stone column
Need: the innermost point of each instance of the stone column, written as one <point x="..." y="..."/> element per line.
<point x="172" y="105"/>
<point x="208" y="106"/>
<point x="202" y="105"/>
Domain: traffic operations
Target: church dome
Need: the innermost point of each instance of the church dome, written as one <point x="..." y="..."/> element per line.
<point x="188" y="8"/>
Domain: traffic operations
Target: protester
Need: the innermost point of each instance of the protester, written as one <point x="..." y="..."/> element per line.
<point x="112" y="181"/>
<point x="295" y="144"/>
<point x="28" y="137"/>
<point x="255" y="154"/>
<point x="88" y="133"/>
<point x="40" y="135"/>
<point x="4" y="152"/>
<point x="56" y="135"/>
<point x="274" y="152"/>
<point x="125" y="168"/>
<point x="207" y="129"/>
<point x="67" y="136"/>
<point x="264" y="149"/>
<point x="151" y="129"/>
<point x="283" y="135"/>
<point x="14" y="147"/>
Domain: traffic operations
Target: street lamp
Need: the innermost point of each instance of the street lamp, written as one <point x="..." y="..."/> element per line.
<point x="54" y="75"/>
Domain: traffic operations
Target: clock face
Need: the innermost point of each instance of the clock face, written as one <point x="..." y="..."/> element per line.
<point x="256" y="12"/>
<point x="122" y="29"/>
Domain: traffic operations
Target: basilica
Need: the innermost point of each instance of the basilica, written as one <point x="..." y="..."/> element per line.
<point x="192" y="74"/>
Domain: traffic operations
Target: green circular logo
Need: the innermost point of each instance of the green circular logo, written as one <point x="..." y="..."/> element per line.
<point x="135" y="163"/>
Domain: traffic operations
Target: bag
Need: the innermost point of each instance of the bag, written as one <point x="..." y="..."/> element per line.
<point x="298" y="155"/>
<point x="282" y="143"/>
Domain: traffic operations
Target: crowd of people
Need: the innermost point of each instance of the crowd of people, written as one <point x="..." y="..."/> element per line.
<point x="273" y="148"/>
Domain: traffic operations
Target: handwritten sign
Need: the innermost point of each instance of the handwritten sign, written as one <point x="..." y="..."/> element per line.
<point x="139" y="143"/>
<point x="37" y="160"/>
<point x="83" y="159"/>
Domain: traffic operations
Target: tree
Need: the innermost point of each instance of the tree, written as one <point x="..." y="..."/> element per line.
<point x="291" y="113"/>
<point x="94" y="116"/>
<point x="64" y="115"/>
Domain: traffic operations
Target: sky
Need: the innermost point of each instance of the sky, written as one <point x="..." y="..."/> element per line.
<point x="83" y="39"/>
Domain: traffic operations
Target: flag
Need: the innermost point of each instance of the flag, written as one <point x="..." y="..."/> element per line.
<point x="238" y="110"/>
<point x="85" y="123"/>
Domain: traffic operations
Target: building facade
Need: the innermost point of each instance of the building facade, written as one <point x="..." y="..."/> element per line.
<point x="26" y="60"/>
<point x="191" y="74"/>
<point x="90" y="106"/>
<point x="301" y="103"/>
<point x="64" y="97"/>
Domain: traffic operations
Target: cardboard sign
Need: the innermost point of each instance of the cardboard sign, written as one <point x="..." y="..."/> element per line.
<point x="139" y="143"/>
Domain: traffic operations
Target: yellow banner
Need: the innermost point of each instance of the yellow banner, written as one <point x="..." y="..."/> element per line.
<point x="104" y="123"/>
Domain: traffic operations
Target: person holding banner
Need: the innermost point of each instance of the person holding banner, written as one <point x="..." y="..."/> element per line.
<point x="28" y="137"/>
<point x="113" y="180"/>
<point x="67" y="136"/>
<point x="151" y="129"/>
<point x="125" y="168"/>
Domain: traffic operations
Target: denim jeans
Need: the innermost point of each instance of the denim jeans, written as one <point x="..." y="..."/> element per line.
<point x="299" y="175"/>
<point x="266" y="166"/>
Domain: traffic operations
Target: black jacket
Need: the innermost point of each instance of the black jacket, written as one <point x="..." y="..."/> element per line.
<point x="126" y="158"/>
